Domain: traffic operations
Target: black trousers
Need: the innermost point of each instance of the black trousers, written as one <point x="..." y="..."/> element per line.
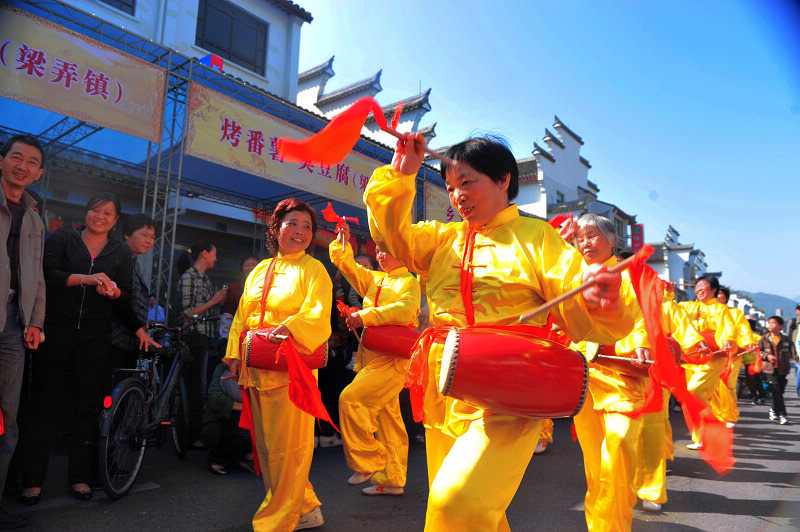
<point x="753" y="383"/>
<point x="233" y="443"/>
<point x="71" y="377"/>
<point x="776" y="384"/>
<point x="194" y="371"/>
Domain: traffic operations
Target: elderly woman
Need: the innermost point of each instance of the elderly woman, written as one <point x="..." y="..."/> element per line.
<point x="297" y="304"/>
<point x="88" y="277"/>
<point x="484" y="271"/>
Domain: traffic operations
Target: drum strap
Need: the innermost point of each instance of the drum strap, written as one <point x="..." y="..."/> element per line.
<point x="268" y="277"/>
<point x="378" y="293"/>
<point x="467" y="273"/>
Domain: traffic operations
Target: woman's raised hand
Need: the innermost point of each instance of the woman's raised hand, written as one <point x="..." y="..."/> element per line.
<point x="408" y="153"/>
<point x="344" y="234"/>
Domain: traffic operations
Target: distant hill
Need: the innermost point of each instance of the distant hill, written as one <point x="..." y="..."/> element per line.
<point x="769" y="302"/>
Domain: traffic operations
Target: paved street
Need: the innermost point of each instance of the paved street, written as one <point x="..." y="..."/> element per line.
<point x="761" y="493"/>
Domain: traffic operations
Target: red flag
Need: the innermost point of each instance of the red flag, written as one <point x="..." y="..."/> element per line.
<point x="559" y="219"/>
<point x="330" y="216"/>
<point x="303" y="390"/>
<point x="332" y="144"/>
<point x="717" y="439"/>
<point x="396" y="116"/>
<point x="344" y="310"/>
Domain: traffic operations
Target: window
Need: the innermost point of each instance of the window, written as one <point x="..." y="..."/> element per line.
<point x="559" y="197"/>
<point x="128" y="6"/>
<point x="231" y="33"/>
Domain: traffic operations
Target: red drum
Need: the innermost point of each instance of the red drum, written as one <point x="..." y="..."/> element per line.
<point x="392" y="340"/>
<point x="512" y="372"/>
<point x="259" y="353"/>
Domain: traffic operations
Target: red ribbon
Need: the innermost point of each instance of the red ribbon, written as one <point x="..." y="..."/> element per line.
<point x="332" y="144"/>
<point x="559" y="219"/>
<point x="303" y="390"/>
<point x="344" y="310"/>
<point x="330" y="216"/>
<point x="717" y="439"/>
<point x="246" y="422"/>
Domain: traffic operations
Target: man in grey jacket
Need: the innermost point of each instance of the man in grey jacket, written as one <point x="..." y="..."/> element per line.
<point x="22" y="287"/>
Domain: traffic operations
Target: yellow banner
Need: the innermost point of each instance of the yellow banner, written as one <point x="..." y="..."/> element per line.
<point x="48" y="66"/>
<point x="227" y="132"/>
<point x="437" y="205"/>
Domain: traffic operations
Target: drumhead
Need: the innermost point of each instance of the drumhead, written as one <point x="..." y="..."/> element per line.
<point x="449" y="361"/>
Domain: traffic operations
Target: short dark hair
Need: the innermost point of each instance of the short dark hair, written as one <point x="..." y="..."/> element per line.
<point x="725" y="290"/>
<point x="245" y="259"/>
<point x="777" y="319"/>
<point x="488" y="155"/>
<point x="797" y="307"/>
<point x="712" y="281"/>
<point x="281" y="210"/>
<point x="134" y="222"/>
<point x="30" y="140"/>
<point x="101" y="198"/>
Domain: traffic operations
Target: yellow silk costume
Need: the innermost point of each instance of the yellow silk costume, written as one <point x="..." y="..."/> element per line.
<point x="375" y="439"/>
<point x="654" y="446"/>
<point x="724" y="400"/>
<point x="300" y="299"/>
<point x="547" y="431"/>
<point x="708" y="315"/>
<point x="607" y="436"/>
<point x="518" y="264"/>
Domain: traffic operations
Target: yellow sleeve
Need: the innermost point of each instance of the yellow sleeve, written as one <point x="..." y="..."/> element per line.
<point x="402" y="311"/>
<point x="744" y="335"/>
<point x="311" y="326"/>
<point x="637" y="337"/>
<point x="389" y="197"/>
<point x="726" y="327"/>
<point x="358" y="276"/>
<point x="680" y="326"/>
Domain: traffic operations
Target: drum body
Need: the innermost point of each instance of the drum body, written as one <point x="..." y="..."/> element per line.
<point x="513" y="373"/>
<point x="258" y="352"/>
<point x="392" y="340"/>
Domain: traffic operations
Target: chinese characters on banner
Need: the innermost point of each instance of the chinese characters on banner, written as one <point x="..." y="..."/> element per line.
<point x="637" y="237"/>
<point x="437" y="205"/>
<point x="51" y="67"/>
<point x="227" y="132"/>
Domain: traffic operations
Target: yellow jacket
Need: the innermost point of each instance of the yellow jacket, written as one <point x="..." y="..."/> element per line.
<point x="300" y="298"/>
<point x="744" y="334"/>
<point x="519" y="263"/>
<point x="399" y="300"/>
<point x="711" y="315"/>
<point x="674" y="322"/>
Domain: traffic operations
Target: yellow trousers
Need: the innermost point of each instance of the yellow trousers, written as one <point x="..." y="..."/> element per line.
<point x="608" y="441"/>
<point x="547" y="431"/>
<point x="285" y="445"/>
<point x="652" y="450"/>
<point x="480" y="474"/>
<point x="375" y="439"/>
<point x="723" y="400"/>
<point x="701" y="380"/>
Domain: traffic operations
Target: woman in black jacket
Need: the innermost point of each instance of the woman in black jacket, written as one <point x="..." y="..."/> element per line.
<point x="88" y="278"/>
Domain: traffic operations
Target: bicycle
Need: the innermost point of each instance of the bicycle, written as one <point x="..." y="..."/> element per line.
<point x="143" y="410"/>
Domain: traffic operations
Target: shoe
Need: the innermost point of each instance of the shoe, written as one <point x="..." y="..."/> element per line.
<point x="82" y="495"/>
<point x="10" y="522"/>
<point x="312" y="519"/>
<point x="540" y="447"/>
<point x="359" y="478"/>
<point x="695" y="446"/>
<point x="651" y="506"/>
<point x="249" y="465"/>
<point x="730" y="424"/>
<point x="330" y="441"/>
<point x="216" y="469"/>
<point x="783" y="421"/>
<point x="772" y="415"/>
<point x="30" y="499"/>
<point x="382" y="490"/>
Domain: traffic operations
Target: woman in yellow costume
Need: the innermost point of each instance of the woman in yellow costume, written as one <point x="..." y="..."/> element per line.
<point x="298" y="305"/>
<point x="723" y="399"/>
<point x="708" y="315"/>
<point x="375" y="439"/>
<point x="486" y="270"/>
<point x="606" y="433"/>
<point x="654" y="446"/>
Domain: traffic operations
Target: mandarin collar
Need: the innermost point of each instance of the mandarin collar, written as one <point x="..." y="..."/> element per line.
<point x="503" y="217"/>
<point x="291" y="256"/>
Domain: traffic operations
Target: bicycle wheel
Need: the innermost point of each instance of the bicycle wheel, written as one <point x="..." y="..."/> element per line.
<point x="179" y="419"/>
<point x="122" y="444"/>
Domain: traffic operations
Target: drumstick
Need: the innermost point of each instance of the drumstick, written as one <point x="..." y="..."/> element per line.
<point x="629" y="359"/>
<point x="574" y="292"/>
<point x="278" y="336"/>
<point x="228" y="377"/>
<point x="430" y="152"/>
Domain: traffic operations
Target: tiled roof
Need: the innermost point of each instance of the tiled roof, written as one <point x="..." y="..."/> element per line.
<point x="528" y="169"/>
<point x="325" y="68"/>
<point x="293" y="9"/>
<point x="585" y="163"/>
<point x="549" y="137"/>
<point x="560" y="125"/>
<point x="541" y="152"/>
<point x="411" y="103"/>
<point x="373" y="82"/>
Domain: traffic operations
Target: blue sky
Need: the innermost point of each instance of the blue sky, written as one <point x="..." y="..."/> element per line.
<point x="690" y="111"/>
